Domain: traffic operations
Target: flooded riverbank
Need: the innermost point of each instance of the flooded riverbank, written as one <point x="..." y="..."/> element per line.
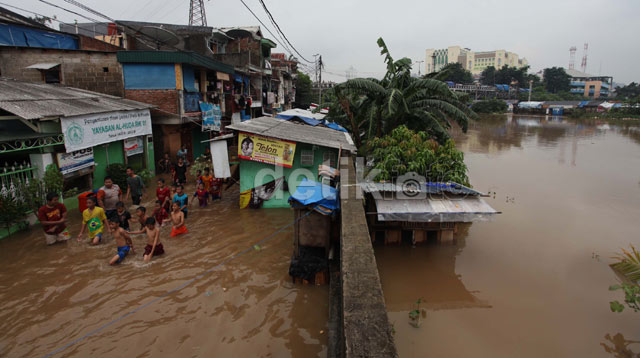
<point x="248" y="307"/>
<point x="534" y="282"/>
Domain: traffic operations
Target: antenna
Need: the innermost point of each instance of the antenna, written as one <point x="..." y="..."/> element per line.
<point x="572" y="57"/>
<point x="583" y="66"/>
<point x="197" y="17"/>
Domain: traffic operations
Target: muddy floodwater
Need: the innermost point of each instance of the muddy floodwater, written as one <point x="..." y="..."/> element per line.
<point x="248" y="307"/>
<point x="534" y="282"/>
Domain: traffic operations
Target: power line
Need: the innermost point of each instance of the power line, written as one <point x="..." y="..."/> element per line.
<point x="70" y="11"/>
<point x="264" y="6"/>
<point x="32" y="12"/>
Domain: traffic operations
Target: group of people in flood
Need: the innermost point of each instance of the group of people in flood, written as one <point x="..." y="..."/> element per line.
<point x="107" y="211"/>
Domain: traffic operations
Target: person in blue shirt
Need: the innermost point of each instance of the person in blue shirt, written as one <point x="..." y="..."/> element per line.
<point x="182" y="199"/>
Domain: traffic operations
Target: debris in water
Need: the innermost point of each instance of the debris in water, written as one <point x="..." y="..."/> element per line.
<point x="321" y="332"/>
<point x="224" y="289"/>
<point x="208" y="293"/>
<point x="256" y="247"/>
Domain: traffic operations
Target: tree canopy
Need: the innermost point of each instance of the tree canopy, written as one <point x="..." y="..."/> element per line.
<point x="370" y="108"/>
<point x="508" y="76"/>
<point x="304" y="96"/>
<point x="454" y="72"/>
<point x="556" y="80"/>
<point x="629" y="92"/>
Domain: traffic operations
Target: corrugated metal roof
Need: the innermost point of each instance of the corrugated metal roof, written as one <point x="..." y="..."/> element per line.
<point x="44" y="66"/>
<point x="444" y="209"/>
<point x="38" y="100"/>
<point x="191" y="58"/>
<point x="428" y="188"/>
<point x="297" y="132"/>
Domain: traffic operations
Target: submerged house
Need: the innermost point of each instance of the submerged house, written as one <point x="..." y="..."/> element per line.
<point x="424" y="210"/>
<point x="277" y="154"/>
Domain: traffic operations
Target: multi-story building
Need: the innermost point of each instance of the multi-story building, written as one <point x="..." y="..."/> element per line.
<point x="590" y="85"/>
<point x="475" y="62"/>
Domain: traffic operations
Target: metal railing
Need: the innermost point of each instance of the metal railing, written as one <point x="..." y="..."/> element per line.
<point x="13" y="177"/>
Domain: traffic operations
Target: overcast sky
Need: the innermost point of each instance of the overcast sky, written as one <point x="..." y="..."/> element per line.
<point x="345" y="32"/>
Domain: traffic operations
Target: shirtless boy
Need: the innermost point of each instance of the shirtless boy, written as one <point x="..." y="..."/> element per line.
<point x="177" y="218"/>
<point x="123" y="240"/>
<point x="154" y="246"/>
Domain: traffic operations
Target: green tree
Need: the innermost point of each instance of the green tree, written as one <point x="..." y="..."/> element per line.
<point x="303" y="91"/>
<point x="371" y="108"/>
<point x="629" y="92"/>
<point x="556" y="80"/>
<point x="488" y="76"/>
<point x="454" y="72"/>
<point x="490" y="106"/>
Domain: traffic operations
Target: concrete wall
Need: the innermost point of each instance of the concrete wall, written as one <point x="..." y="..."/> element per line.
<point x="90" y="70"/>
<point x="366" y="331"/>
<point x="250" y="169"/>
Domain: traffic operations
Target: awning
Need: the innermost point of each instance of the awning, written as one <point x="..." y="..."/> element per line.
<point x="44" y="66"/>
<point x="322" y="197"/>
<point x="435" y="209"/>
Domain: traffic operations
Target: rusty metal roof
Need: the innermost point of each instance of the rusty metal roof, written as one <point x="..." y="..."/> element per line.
<point x="297" y="132"/>
<point x="38" y="100"/>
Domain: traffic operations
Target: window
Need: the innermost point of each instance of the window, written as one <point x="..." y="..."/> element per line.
<point x="52" y="75"/>
<point x="329" y="158"/>
<point x="306" y="158"/>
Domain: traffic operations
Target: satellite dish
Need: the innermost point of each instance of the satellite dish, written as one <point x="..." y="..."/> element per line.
<point x="160" y="35"/>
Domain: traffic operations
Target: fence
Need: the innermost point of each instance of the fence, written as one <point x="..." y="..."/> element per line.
<point x="14" y="178"/>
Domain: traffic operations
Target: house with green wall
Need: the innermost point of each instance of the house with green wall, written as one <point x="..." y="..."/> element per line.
<point x="80" y="131"/>
<point x="286" y="148"/>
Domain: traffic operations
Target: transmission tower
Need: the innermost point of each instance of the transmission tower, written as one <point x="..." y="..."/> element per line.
<point x="583" y="66"/>
<point x="572" y="57"/>
<point x="197" y="17"/>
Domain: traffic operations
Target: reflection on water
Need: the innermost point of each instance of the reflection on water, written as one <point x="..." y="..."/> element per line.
<point x="534" y="282"/>
<point x="248" y="307"/>
<point x="618" y="346"/>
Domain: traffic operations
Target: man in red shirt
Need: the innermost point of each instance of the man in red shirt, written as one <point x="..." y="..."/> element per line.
<point x="164" y="195"/>
<point x="52" y="216"/>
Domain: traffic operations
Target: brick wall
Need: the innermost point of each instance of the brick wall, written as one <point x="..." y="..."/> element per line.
<point x="90" y="70"/>
<point x="167" y="100"/>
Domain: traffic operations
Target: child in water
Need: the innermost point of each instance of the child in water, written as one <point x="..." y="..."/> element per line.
<point x="93" y="218"/>
<point x="154" y="246"/>
<point x="123" y="241"/>
<point x="202" y="194"/>
<point x="123" y="215"/>
<point x="177" y="218"/>
<point x="141" y="213"/>
<point x="159" y="213"/>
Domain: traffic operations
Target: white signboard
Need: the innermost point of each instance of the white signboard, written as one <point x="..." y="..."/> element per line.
<point x="87" y="131"/>
<point x="220" y="158"/>
<point x="133" y="146"/>
<point x="74" y="161"/>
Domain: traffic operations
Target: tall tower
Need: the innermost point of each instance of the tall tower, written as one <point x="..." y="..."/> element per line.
<point x="572" y="57"/>
<point x="583" y="66"/>
<point x="197" y="17"/>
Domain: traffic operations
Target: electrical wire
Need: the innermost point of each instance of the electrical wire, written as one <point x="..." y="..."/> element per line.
<point x="32" y="12"/>
<point x="70" y="11"/>
<point x="273" y="21"/>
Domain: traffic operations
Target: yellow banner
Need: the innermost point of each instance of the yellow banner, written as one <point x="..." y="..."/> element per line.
<point x="266" y="150"/>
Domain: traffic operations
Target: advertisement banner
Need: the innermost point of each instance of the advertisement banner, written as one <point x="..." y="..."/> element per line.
<point x="87" y="131"/>
<point x="133" y="146"/>
<point x="74" y="161"/>
<point x="211" y="117"/>
<point x="266" y="150"/>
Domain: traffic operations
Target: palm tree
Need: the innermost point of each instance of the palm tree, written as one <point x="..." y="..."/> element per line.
<point x="373" y="108"/>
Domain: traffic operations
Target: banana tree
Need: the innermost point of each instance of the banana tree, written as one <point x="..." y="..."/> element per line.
<point x="373" y="108"/>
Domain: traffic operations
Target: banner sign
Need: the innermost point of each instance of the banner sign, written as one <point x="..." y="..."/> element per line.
<point x="211" y="117"/>
<point x="87" y="131"/>
<point x="133" y="146"/>
<point x="266" y="150"/>
<point x="74" y="161"/>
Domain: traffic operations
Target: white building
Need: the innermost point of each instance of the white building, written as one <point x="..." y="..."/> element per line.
<point x="475" y="62"/>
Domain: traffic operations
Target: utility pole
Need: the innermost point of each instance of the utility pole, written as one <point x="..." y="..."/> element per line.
<point x="320" y="81"/>
<point x="530" y="85"/>
<point x="419" y="63"/>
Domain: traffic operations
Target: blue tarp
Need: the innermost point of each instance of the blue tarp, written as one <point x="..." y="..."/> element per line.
<point x="450" y="83"/>
<point x="582" y="104"/>
<point x="334" y="126"/>
<point x="13" y="35"/>
<point x="313" y="193"/>
<point x="149" y="76"/>
<point x="189" y="78"/>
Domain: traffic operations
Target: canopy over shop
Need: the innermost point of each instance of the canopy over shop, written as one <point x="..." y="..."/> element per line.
<point x="80" y="131"/>
<point x="276" y="155"/>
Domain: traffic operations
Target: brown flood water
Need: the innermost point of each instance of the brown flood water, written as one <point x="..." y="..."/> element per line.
<point x="51" y="296"/>
<point x="534" y="282"/>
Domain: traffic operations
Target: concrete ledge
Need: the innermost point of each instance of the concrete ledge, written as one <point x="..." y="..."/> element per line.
<point x="365" y="324"/>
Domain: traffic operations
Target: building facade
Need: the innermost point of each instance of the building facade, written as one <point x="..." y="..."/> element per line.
<point x="590" y="86"/>
<point x="475" y="62"/>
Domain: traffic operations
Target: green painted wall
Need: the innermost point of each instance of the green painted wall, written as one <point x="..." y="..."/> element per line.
<point x="198" y="147"/>
<point x="151" y="158"/>
<point x="116" y="155"/>
<point x="249" y="170"/>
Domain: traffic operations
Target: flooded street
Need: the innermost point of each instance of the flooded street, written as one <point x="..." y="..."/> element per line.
<point x="534" y="282"/>
<point x="248" y="307"/>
